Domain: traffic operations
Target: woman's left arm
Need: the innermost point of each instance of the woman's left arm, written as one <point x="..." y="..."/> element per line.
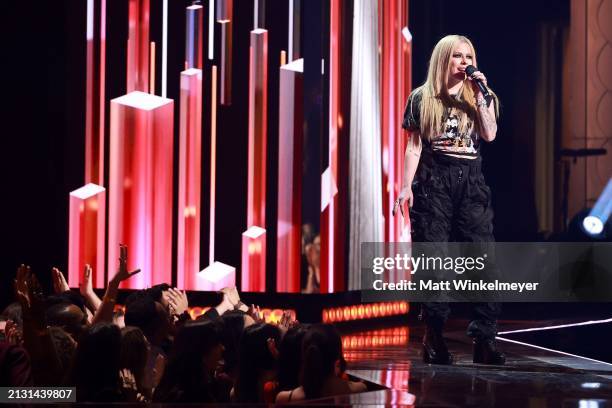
<point x="487" y="121"/>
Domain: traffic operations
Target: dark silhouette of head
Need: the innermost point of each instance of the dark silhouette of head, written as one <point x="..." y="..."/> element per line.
<point x="257" y="354"/>
<point x="321" y="353"/>
<point x="190" y="369"/>
<point x="95" y="371"/>
<point x="134" y="352"/>
<point x="290" y="358"/>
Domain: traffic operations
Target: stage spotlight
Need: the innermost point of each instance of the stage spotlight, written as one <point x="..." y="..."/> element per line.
<point x="594" y="223"/>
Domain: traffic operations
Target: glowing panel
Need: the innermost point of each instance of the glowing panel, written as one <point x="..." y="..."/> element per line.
<point x="254" y="239"/>
<point x="194" y="36"/>
<point x="254" y="260"/>
<point x="217" y="276"/>
<point x="138" y="46"/>
<point x="331" y="217"/>
<point x="395" y="88"/>
<point x="189" y="188"/>
<point x="258" y="103"/>
<point x="290" y="146"/>
<point x="87" y="237"/>
<point x="225" y="10"/>
<point x="226" y="62"/>
<point x="140" y="186"/>
<point x="95" y="91"/>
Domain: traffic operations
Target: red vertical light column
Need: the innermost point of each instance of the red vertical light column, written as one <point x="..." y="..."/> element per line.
<point x="95" y="91"/>
<point x="332" y="269"/>
<point x="189" y="189"/>
<point x="254" y="260"/>
<point x="395" y="87"/>
<point x="225" y="16"/>
<point x="87" y="217"/>
<point x="290" y="147"/>
<point x="254" y="271"/>
<point x="194" y="36"/>
<point x="226" y="62"/>
<point x="403" y="226"/>
<point x="138" y="46"/>
<point x="140" y="214"/>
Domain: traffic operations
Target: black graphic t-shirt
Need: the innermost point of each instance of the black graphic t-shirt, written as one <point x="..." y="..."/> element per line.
<point x="451" y="141"/>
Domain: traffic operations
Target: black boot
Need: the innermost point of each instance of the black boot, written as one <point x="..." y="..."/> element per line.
<point x="485" y="352"/>
<point x="434" y="348"/>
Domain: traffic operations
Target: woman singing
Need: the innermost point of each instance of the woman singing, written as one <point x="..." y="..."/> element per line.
<point x="443" y="182"/>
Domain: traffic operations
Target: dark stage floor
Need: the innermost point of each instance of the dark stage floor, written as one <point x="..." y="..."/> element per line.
<point x="532" y="377"/>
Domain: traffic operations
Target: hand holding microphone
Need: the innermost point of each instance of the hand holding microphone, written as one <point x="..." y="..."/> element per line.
<point x="479" y="82"/>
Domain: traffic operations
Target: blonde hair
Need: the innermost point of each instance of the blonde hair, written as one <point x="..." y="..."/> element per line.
<point x="435" y="99"/>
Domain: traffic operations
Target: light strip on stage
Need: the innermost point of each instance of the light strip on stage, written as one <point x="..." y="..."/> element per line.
<point x="560" y="326"/>
<point x="552" y="350"/>
<point x="213" y="165"/>
<point x="256" y="15"/>
<point x="189" y="189"/>
<point x="226" y="62"/>
<point x="152" y="70"/>
<point x="290" y="154"/>
<point x="211" y="29"/>
<point x="164" y="80"/>
<point x="290" y="31"/>
<point x="87" y="235"/>
<point x="141" y="186"/>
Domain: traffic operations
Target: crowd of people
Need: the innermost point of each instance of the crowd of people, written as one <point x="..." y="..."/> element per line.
<point x="153" y="351"/>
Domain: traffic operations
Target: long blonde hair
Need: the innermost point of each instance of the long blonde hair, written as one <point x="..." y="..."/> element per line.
<point x="435" y="99"/>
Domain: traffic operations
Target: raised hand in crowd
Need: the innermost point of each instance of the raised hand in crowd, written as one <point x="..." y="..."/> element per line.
<point x="86" y="289"/>
<point x="13" y="333"/>
<point x="256" y="314"/>
<point x="46" y="368"/>
<point x="287" y="321"/>
<point x="29" y="294"/>
<point x="128" y="385"/>
<point x="177" y="301"/>
<point x="59" y="282"/>
<point x="105" y="311"/>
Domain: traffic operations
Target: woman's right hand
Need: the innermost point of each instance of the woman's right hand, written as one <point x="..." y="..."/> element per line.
<point x="405" y="195"/>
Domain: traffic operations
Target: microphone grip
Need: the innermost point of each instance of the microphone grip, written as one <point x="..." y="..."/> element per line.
<point x="484" y="90"/>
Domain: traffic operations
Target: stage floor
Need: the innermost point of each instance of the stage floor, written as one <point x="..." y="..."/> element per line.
<point x="532" y="377"/>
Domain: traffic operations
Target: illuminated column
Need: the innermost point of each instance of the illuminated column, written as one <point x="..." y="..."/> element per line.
<point x="395" y="88"/>
<point x="225" y="15"/>
<point x="226" y="62"/>
<point x="86" y="240"/>
<point x="140" y="186"/>
<point x="194" y="37"/>
<point x="332" y="217"/>
<point x="138" y="46"/>
<point x="290" y="134"/>
<point x="254" y="260"/>
<point x="94" y="91"/>
<point x="256" y="199"/>
<point x="216" y="275"/>
<point x="189" y="189"/>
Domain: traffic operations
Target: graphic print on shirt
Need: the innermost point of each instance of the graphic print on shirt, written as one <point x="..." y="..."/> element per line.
<point x="455" y="143"/>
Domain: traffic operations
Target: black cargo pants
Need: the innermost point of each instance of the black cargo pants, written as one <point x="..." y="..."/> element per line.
<point x="453" y="203"/>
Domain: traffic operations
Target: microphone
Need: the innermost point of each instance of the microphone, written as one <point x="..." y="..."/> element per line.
<point x="469" y="70"/>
